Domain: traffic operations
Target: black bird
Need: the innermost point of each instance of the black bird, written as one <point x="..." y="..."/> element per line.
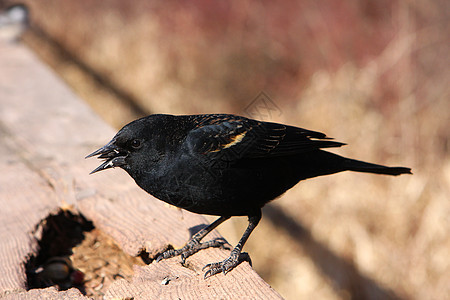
<point x="223" y="165"/>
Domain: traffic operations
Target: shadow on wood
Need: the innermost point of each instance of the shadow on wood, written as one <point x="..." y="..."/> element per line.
<point x="342" y="273"/>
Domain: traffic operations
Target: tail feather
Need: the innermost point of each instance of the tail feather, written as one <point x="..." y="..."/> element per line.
<point x="361" y="166"/>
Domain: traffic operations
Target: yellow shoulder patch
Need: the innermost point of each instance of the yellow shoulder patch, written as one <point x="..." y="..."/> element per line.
<point x="234" y="140"/>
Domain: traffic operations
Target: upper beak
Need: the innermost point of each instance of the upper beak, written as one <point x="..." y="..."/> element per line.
<point x="112" y="154"/>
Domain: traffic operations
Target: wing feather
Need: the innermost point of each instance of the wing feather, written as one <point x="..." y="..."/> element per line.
<point x="233" y="137"/>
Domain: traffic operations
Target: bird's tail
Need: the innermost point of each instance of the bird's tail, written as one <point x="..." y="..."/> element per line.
<point x="361" y="166"/>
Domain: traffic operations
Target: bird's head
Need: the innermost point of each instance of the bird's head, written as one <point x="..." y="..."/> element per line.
<point x="135" y="147"/>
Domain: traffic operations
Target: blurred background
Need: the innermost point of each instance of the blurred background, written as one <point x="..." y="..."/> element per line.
<point x="372" y="74"/>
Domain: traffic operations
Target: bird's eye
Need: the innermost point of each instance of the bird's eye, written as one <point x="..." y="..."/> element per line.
<point x="136" y="143"/>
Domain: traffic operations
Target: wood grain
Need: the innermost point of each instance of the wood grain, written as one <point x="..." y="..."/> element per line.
<point x="45" y="133"/>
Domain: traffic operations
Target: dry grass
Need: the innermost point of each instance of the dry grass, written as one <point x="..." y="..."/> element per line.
<point x="374" y="76"/>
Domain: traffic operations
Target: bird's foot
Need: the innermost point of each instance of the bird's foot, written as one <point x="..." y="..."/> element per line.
<point x="224" y="266"/>
<point x="193" y="246"/>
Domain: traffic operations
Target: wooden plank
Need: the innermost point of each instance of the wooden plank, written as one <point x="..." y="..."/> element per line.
<point x="46" y="132"/>
<point x="25" y="199"/>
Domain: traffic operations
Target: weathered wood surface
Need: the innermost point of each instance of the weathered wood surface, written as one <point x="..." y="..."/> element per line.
<point x="45" y="132"/>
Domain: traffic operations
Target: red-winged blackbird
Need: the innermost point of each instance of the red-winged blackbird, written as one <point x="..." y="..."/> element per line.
<point x="222" y="165"/>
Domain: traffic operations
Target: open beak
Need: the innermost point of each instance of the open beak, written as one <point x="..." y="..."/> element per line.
<point x="112" y="155"/>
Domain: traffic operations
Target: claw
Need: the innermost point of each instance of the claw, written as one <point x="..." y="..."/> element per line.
<point x="206" y="266"/>
<point x="207" y="274"/>
<point x="166" y="254"/>
<point x="212" y="271"/>
<point x="183" y="258"/>
<point x="224" y="266"/>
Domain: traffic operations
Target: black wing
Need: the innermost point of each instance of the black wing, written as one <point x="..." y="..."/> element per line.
<point x="238" y="137"/>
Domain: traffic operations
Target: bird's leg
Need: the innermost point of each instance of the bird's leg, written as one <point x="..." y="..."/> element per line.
<point x="233" y="260"/>
<point x="194" y="245"/>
